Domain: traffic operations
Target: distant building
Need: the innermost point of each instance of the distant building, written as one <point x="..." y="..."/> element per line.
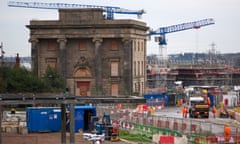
<point x="95" y="56"/>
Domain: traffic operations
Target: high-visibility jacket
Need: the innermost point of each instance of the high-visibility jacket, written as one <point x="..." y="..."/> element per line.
<point x="214" y="110"/>
<point x="227" y="133"/>
<point x="208" y="101"/>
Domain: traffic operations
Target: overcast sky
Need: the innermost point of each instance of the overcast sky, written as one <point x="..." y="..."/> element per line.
<point x="159" y="13"/>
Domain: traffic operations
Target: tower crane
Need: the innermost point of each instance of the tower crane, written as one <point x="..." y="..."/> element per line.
<point x="110" y="10"/>
<point x="162" y="31"/>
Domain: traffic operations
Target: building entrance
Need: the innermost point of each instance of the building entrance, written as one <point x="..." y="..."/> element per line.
<point x="83" y="88"/>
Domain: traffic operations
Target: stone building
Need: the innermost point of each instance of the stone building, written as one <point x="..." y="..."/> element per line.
<point x="96" y="56"/>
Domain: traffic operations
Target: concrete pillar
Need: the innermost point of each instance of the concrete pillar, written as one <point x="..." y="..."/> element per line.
<point x="98" y="65"/>
<point x="34" y="53"/>
<point x="72" y="124"/>
<point x="1" y="123"/>
<point x="63" y="124"/>
<point x="127" y="67"/>
<point x="62" y="55"/>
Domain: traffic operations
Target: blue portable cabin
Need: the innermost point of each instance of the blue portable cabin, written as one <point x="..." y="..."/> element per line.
<point x="47" y="119"/>
<point x="154" y="96"/>
<point x="43" y="119"/>
<point x="82" y="116"/>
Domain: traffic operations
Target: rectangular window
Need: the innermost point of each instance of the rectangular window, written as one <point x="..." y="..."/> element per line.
<point x="51" y="45"/>
<point x="114" y="45"/>
<point x="82" y="45"/>
<point x="51" y="62"/>
<point x="114" y="68"/>
<point x="114" y="89"/>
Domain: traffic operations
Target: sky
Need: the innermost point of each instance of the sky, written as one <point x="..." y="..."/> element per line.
<point x="159" y="13"/>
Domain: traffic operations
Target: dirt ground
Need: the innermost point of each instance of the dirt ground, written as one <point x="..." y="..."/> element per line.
<point x="45" y="138"/>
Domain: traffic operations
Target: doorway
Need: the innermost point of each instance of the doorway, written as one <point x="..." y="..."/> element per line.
<point x="83" y="88"/>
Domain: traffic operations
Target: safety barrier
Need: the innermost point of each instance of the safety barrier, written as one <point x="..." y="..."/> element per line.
<point x="198" y="139"/>
<point x="148" y="124"/>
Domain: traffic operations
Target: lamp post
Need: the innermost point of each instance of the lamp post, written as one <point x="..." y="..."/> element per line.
<point x="2" y="63"/>
<point x="2" y="77"/>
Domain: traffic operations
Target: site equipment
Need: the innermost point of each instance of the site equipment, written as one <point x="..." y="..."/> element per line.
<point x="105" y="127"/>
<point x="162" y="31"/>
<point x="198" y="107"/>
<point x="110" y="10"/>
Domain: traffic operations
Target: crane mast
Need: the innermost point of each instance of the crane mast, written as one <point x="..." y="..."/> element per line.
<point x="110" y="10"/>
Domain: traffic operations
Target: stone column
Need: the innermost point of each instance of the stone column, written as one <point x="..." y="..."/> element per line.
<point x="34" y="53"/>
<point x="127" y="68"/>
<point x="62" y="56"/>
<point x="98" y="65"/>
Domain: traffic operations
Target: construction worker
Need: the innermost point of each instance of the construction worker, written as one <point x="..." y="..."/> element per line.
<point x="185" y="111"/>
<point x="208" y="101"/>
<point x="227" y="132"/>
<point x="214" y="111"/>
<point x="13" y="111"/>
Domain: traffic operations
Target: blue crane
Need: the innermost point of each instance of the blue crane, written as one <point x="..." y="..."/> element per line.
<point x="110" y="10"/>
<point x="162" y="31"/>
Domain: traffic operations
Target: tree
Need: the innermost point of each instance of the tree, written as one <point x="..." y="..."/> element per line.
<point x="19" y="79"/>
<point x="54" y="80"/>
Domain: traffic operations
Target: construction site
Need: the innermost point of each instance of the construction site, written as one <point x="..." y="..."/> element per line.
<point x="114" y="92"/>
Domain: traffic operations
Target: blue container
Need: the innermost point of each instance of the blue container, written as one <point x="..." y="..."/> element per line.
<point x="43" y="119"/>
<point x="82" y="116"/>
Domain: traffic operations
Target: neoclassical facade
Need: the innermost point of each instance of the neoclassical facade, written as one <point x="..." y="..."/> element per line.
<point x="95" y="56"/>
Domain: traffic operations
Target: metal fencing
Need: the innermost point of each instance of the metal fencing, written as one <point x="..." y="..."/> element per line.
<point x="197" y="130"/>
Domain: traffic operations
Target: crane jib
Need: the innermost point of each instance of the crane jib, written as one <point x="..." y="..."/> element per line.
<point x="42" y="5"/>
<point x="185" y="26"/>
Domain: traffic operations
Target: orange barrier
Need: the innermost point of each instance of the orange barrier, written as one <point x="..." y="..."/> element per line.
<point x="151" y="122"/>
<point x="175" y="126"/>
<point x="212" y="139"/>
<point x="184" y="126"/>
<point x="193" y="127"/>
<point x="166" y="140"/>
<point x="159" y="123"/>
<point x="167" y="124"/>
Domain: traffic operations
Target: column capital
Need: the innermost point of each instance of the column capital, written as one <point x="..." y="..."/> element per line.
<point x="62" y="43"/>
<point x="33" y="40"/>
<point x="97" y="40"/>
<point x="126" y="40"/>
<point x="59" y="40"/>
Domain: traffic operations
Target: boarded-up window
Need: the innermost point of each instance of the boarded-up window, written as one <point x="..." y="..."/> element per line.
<point x="114" y="68"/>
<point x="114" y="90"/>
<point x="52" y="45"/>
<point x="82" y="45"/>
<point x="51" y="62"/>
<point x="114" y="45"/>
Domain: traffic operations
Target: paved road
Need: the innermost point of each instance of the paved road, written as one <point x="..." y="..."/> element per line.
<point x="216" y="125"/>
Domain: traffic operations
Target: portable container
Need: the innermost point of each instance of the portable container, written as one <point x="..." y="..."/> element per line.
<point x="43" y="119"/>
<point x="83" y="116"/>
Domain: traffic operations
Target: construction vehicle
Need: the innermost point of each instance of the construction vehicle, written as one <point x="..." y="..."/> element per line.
<point x="104" y="127"/>
<point x="198" y="108"/>
<point x="109" y="10"/>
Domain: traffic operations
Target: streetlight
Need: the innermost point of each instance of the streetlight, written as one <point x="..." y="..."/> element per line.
<point x="2" y="62"/>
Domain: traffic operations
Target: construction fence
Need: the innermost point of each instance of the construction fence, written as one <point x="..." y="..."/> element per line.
<point x="197" y="131"/>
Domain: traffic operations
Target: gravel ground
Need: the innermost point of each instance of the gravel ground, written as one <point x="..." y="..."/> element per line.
<point x="46" y="138"/>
